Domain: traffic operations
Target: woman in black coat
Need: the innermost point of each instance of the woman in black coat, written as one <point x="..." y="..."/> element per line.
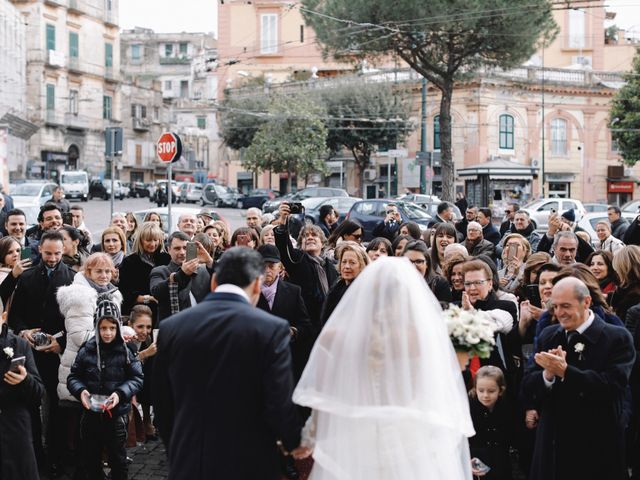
<point x="352" y="259"/>
<point x="418" y="254"/>
<point x="148" y="253"/>
<point x="17" y="457"/>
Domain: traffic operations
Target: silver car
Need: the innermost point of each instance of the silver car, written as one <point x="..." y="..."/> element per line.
<point x="539" y="210"/>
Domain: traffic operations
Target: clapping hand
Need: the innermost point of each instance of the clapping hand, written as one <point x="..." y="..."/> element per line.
<point x="554" y="362"/>
<point x="466" y="302"/>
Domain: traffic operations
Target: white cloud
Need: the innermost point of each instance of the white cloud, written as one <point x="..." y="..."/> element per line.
<point x="169" y="15"/>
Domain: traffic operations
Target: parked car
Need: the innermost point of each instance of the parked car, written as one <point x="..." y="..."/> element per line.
<point x="539" y="210"/>
<point x="632" y="207"/>
<point x="218" y="196"/>
<point x="595" y="207"/>
<point x="30" y="196"/>
<point x="590" y="219"/>
<point x="235" y="196"/>
<point x="138" y="190"/>
<point x="175" y="191"/>
<point x="190" y="192"/>
<point x="309" y="192"/>
<point x="102" y="189"/>
<point x="175" y="214"/>
<point x="75" y="184"/>
<point x="429" y="203"/>
<point x="370" y="212"/>
<point x="257" y="197"/>
<point x="342" y="205"/>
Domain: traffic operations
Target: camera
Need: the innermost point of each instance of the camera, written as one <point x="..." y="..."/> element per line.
<point x="41" y="339"/>
<point x="296" y="208"/>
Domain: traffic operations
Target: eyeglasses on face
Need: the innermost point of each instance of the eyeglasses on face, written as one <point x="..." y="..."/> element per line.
<point x="391" y="212"/>
<point x="419" y="261"/>
<point x="475" y="283"/>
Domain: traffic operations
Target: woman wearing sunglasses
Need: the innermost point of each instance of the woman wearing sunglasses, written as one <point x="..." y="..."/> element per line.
<point x="347" y="231"/>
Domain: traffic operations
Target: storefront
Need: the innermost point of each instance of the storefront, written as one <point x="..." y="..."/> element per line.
<point x="620" y="190"/>
<point x="498" y="182"/>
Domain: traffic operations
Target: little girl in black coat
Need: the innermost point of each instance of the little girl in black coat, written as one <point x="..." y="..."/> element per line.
<point x="492" y="421"/>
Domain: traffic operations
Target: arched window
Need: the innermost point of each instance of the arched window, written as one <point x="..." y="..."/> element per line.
<point x="436" y="132"/>
<point x="558" y="136"/>
<point x="506" y="132"/>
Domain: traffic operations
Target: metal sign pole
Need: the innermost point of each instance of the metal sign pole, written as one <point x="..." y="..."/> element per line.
<point x="169" y="193"/>
<point x="113" y="159"/>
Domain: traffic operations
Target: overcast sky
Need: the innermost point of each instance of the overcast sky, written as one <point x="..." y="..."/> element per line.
<point x="201" y="15"/>
<point x="170" y="15"/>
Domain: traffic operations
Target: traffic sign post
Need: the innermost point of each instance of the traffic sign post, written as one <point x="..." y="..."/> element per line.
<point x="113" y="149"/>
<point x="169" y="150"/>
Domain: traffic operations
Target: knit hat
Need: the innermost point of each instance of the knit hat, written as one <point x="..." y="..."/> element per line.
<point x="569" y="215"/>
<point x="106" y="309"/>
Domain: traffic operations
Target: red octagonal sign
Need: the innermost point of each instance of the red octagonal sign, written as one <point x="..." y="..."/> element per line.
<point x="169" y="147"/>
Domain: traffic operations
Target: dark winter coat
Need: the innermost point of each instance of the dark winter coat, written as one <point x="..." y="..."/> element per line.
<point x="302" y="272"/>
<point x="491" y="233"/>
<point x="134" y="279"/>
<point x="388" y="230"/>
<point x="632" y="235"/>
<point x="440" y="288"/>
<point x="494" y="435"/>
<point x="17" y="458"/>
<point x="222" y="391"/>
<point x="198" y="284"/>
<point x="288" y="305"/>
<point x="529" y="233"/>
<point x="117" y="370"/>
<point x="506" y="227"/>
<point x="619" y="228"/>
<point x="623" y="298"/>
<point x="580" y="433"/>
<point x="481" y="247"/>
<point x="491" y="302"/>
<point x="333" y="298"/>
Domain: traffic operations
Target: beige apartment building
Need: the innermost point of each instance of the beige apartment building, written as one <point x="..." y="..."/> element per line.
<point x="541" y="128"/>
<point x="73" y="76"/>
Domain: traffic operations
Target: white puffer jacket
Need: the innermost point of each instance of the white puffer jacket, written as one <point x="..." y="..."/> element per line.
<point x="77" y="303"/>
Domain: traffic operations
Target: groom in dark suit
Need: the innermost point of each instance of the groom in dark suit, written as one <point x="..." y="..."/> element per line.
<point x="223" y="381"/>
<point x="577" y="384"/>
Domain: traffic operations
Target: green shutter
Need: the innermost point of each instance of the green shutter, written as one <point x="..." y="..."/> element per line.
<point x="51" y="96"/>
<point x="74" y="49"/>
<point x="108" y="55"/>
<point x="51" y="37"/>
<point x="436" y="132"/>
<point x="106" y="107"/>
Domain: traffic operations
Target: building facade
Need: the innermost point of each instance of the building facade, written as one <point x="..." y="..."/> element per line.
<point x="15" y="129"/>
<point x="184" y="65"/>
<point x="73" y="77"/>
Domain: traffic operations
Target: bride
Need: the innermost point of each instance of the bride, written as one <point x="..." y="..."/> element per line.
<point x="384" y="384"/>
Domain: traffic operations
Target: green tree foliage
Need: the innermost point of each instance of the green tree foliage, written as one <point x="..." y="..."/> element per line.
<point x="625" y="116"/>
<point x="443" y="40"/>
<point x="364" y="118"/>
<point x="292" y="139"/>
<point x="240" y="119"/>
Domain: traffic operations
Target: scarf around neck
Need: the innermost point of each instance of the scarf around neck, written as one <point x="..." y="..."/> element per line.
<point x="117" y="258"/>
<point x="318" y="264"/>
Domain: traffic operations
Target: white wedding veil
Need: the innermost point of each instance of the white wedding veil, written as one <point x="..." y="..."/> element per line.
<point x="385" y="384"/>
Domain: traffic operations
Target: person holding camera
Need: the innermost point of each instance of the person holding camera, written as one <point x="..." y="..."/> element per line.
<point x="185" y="281"/>
<point x="306" y="266"/>
<point x="28" y="318"/>
<point x="390" y="226"/>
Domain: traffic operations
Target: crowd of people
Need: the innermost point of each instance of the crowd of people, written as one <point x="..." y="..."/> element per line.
<point x="83" y="313"/>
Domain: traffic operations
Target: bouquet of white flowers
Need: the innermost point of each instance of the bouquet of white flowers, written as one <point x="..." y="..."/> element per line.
<point x="470" y="331"/>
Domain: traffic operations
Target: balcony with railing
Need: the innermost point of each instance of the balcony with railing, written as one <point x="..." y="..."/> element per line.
<point x="74" y="65"/>
<point x="181" y="60"/>
<point x="110" y="17"/>
<point x="55" y="59"/>
<point x="51" y="117"/>
<point x="141" y="124"/>
<point x="111" y="75"/>
<point x="74" y="121"/>
<point x="55" y="3"/>
<point x="76" y="6"/>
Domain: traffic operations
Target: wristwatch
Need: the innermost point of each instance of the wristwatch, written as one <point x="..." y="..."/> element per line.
<point x="146" y="299"/>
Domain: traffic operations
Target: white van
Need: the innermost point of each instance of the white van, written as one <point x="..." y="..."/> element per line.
<point x="75" y="184"/>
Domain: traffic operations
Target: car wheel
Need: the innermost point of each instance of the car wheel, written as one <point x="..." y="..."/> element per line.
<point x="239" y="204"/>
<point x="84" y="199"/>
<point x="106" y="196"/>
<point x="202" y="202"/>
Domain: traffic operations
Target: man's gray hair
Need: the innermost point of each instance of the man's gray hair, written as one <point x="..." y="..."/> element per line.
<point x="255" y="210"/>
<point x="181" y="217"/>
<point x="564" y="234"/>
<point x="523" y="212"/>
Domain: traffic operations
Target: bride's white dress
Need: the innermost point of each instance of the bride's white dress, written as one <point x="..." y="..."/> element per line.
<point x="385" y="386"/>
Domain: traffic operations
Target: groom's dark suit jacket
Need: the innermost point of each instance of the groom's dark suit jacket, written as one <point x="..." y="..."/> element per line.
<point x="222" y="391"/>
<point x="581" y="432"/>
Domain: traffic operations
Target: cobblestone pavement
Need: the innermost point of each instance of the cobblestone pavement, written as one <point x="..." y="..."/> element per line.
<point x="149" y="463"/>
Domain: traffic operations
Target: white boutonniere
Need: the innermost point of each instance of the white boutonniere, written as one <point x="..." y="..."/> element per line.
<point x="579" y="348"/>
<point x="8" y="351"/>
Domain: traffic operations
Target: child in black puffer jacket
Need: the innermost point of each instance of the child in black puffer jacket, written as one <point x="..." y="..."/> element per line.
<point x="105" y="365"/>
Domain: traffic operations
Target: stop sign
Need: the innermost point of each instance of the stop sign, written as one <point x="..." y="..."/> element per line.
<point x="169" y="147"/>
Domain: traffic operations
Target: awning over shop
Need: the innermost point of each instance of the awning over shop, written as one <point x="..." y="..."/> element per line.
<point x="499" y="170"/>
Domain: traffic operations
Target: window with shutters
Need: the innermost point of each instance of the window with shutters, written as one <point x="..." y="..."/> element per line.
<point x="107" y="107"/>
<point x="506" y="132"/>
<point x="436" y="132"/>
<point x="268" y="33"/>
<point x="108" y="55"/>
<point x="136" y="52"/>
<point x="577" y="28"/>
<point x="74" y="45"/>
<point x="559" y="136"/>
<point x="73" y="102"/>
<point x="51" y="37"/>
<point x="51" y="96"/>
<point x="202" y="123"/>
